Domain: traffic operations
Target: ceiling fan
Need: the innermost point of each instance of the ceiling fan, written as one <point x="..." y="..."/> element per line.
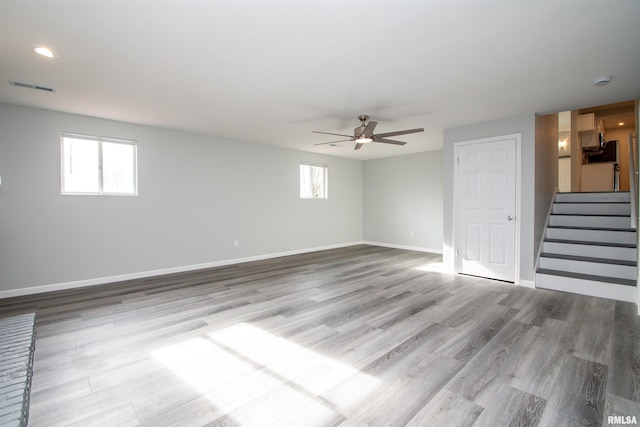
<point x="363" y="134"/>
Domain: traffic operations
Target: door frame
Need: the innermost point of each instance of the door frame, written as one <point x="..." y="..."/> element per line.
<point x="517" y="137"/>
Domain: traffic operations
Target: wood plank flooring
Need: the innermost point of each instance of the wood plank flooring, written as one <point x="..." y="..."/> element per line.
<point x="361" y="335"/>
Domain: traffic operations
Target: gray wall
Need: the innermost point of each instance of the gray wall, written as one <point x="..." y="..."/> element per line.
<point x="195" y="200"/>
<point x="524" y="125"/>
<point x="197" y="194"/>
<point x="546" y="173"/>
<point x="402" y="195"/>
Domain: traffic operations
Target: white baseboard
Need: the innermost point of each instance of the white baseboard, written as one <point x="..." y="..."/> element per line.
<point x="409" y="248"/>
<point x="527" y="283"/>
<point x="143" y="274"/>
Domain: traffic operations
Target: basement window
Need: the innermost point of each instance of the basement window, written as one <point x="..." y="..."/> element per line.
<point x="313" y="181"/>
<point x="94" y="165"/>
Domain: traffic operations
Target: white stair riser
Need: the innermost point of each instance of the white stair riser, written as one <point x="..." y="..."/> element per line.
<point x="593" y="197"/>
<point x="586" y="267"/>
<point x="590" y="221"/>
<point x="592" y="208"/>
<point x="586" y="287"/>
<point x="604" y="236"/>
<point x="595" y="251"/>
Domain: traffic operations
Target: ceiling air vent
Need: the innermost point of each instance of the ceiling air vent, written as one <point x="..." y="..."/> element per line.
<point x="31" y="86"/>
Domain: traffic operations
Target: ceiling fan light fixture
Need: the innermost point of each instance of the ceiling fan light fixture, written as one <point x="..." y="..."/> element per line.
<point x="363" y="134"/>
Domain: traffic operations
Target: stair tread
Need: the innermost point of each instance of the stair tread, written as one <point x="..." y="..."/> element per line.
<point x="593" y="202"/>
<point x="574" y="227"/>
<point x="592" y="192"/>
<point x="592" y="214"/>
<point x="584" y="242"/>
<point x="588" y="259"/>
<point x="591" y="277"/>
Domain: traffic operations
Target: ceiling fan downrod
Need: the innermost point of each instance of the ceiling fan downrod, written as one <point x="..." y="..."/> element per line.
<point x="358" y="133"/>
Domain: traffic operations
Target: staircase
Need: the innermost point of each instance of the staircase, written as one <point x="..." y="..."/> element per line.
<point x="590" y="247"/>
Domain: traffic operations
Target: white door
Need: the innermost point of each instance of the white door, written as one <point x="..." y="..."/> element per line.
<point x="486" y="209"/>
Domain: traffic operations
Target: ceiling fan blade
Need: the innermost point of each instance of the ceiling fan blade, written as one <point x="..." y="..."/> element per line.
<point x="367" y="132"/>
<point x="333" y="142"/>
<point x="358" y="146"/>
<point x="329" y="133"/>
<point x="388" y="141"/>
<point x="398" y="132"/>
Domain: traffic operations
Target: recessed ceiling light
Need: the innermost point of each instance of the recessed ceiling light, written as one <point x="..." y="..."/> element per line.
<point x="621" y="124"/>
<point x="45" y="51"/>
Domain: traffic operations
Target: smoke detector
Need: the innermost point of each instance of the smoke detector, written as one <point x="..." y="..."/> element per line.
<point x="601" y="81"/>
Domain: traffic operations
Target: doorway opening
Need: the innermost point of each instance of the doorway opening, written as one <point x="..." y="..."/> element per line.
<point x="593" y="148"/>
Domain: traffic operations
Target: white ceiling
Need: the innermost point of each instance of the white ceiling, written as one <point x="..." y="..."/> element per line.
<point x="272" y="71"/>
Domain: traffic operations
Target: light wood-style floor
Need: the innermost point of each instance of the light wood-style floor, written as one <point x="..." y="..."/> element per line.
<point x="354" y="336"/>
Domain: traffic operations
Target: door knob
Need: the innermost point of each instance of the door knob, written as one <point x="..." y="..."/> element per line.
<point x="509" y="217"/>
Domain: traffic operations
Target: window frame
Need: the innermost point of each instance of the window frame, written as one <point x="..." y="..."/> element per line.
<point x="325" y="181"/>
<point x="100" y="171"/>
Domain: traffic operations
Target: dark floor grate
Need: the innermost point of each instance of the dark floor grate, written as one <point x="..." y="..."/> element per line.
<point x="17" y="346"/>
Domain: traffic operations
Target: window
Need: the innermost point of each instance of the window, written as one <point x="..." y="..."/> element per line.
<point x="313" y="181"/>
<point x="95" y="165"/>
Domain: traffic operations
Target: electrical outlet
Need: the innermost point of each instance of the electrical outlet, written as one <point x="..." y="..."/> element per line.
<point x="236" y="243"/>
<point x="411" y="234"/>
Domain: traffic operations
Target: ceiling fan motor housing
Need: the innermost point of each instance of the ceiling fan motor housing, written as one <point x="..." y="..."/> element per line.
<point x="360" y="129"/>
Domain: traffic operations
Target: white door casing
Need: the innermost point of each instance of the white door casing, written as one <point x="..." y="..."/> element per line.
<point x="486" y="210"/>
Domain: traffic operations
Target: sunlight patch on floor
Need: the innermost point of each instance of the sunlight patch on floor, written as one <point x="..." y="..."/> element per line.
<point x="260" y="378"/>
<point x="436" y="267"/>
